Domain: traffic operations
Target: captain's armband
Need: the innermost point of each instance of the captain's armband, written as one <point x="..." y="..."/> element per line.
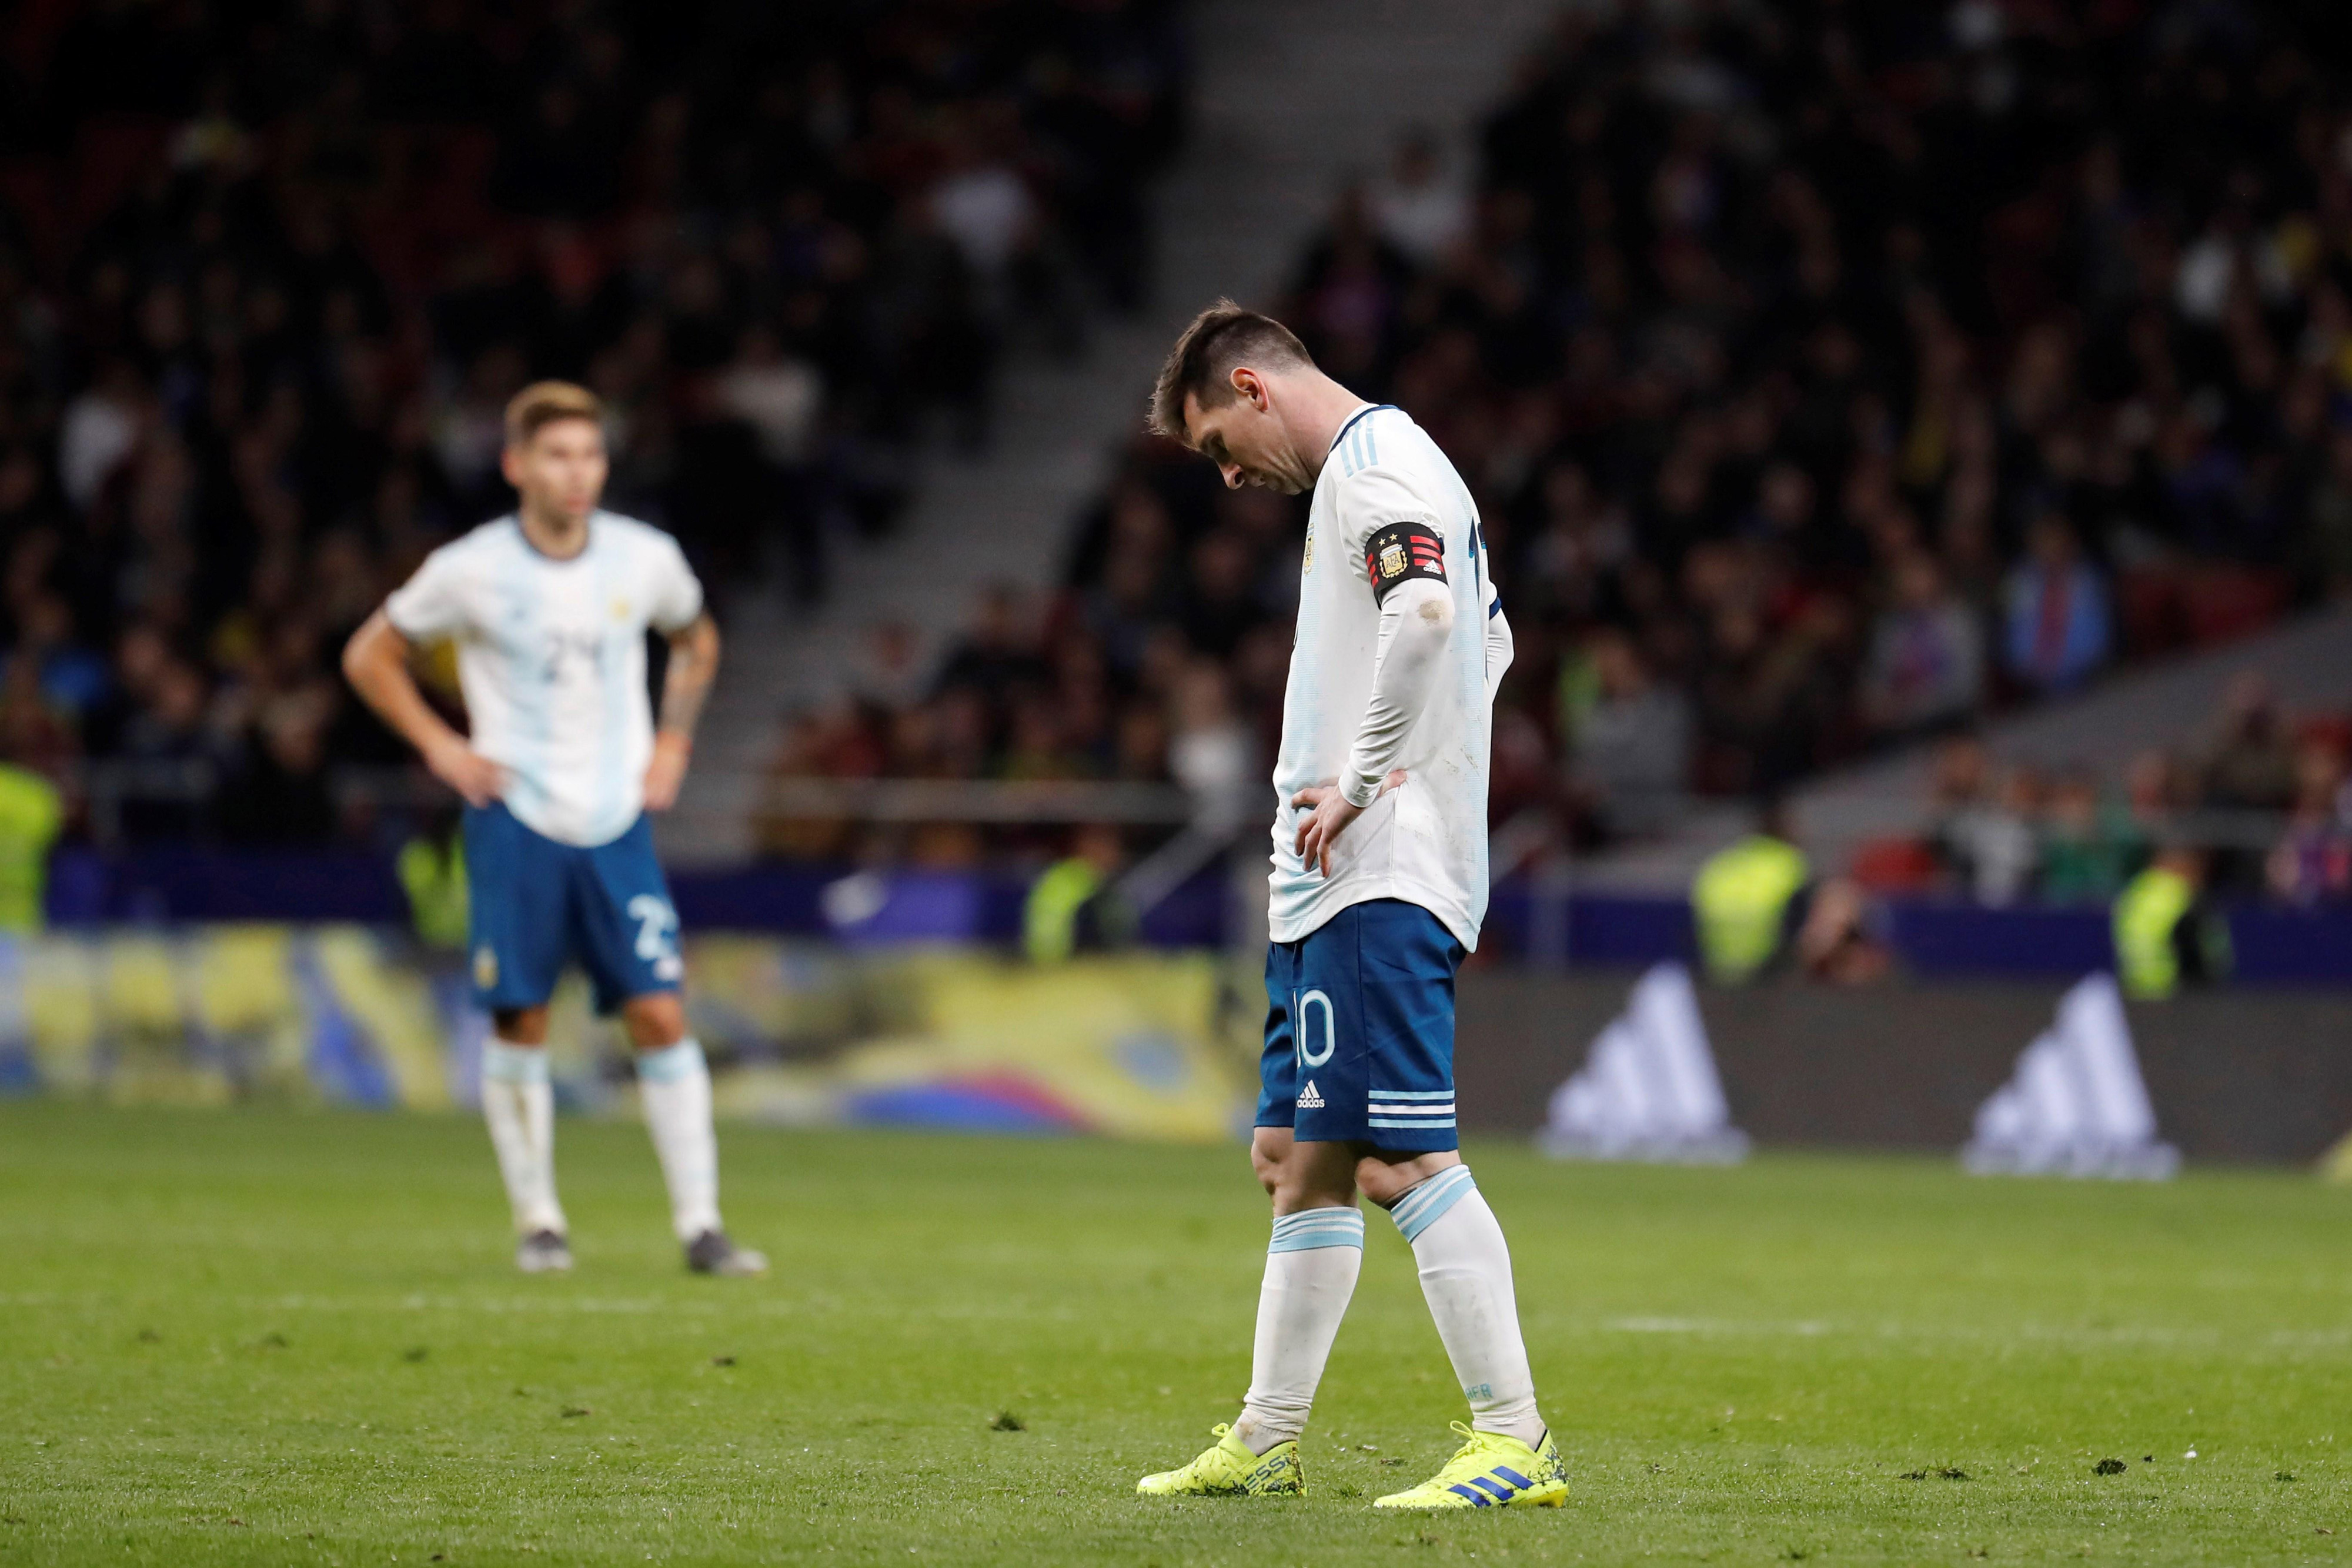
<point x="1401" y="551"/>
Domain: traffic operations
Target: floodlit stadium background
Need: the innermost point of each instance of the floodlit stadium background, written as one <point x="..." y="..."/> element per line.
<point x="1936" y="421"/>
<point x="1914" y="442"/>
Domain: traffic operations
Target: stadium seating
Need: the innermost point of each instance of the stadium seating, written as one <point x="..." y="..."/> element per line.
<point x="1825" y="391"/>
<point x="265" y="282"/>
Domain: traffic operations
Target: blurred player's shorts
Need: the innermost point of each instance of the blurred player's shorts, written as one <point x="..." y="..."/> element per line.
<point x="537" y="904"/>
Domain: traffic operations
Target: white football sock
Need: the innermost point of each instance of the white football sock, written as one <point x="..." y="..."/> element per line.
<point x="1465" y="1274"/>
<point x="675" y="1084"/>
<point x="1311" y="1272"/>
<point x="520" y="1109"/>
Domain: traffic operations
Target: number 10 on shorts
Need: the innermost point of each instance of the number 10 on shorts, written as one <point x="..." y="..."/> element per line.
<point x="1314" y="1025"/>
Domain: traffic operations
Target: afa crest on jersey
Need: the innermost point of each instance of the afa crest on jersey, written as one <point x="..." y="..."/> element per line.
<point x="1401" y="551"/>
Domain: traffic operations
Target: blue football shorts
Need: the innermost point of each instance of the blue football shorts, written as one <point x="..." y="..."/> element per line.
<point x="1360" y="1030"/>
<point x="538" y="904"/>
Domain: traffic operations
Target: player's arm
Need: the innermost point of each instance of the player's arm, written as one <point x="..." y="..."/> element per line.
<point x="1406" y="563"/>
<point x="693" y="662"/>
<point x="375" y="661"/>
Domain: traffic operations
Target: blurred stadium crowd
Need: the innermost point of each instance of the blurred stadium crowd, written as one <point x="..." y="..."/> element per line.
<point x="2004" y="834"/>
<point x="1831" y="376"/>
<point x="268" y="271"/>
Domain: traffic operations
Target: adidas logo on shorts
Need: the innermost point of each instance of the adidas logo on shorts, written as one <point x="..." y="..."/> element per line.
<point x="1309" y="1098"/>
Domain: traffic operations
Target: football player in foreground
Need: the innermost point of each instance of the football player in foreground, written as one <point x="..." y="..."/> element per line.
<point x="549" y="609"/>
<point x="1378" y="889"/>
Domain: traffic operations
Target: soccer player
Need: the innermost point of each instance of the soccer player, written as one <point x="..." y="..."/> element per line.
<point x="549" y="609"/>
<point x="1379" y="886"/>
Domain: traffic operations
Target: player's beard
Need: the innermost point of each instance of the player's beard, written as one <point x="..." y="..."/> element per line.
<point x="1269" y="479"/>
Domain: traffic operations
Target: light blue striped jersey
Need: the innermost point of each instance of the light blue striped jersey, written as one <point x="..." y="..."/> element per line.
<point x="1424" y="842"/>
<point x="551" y="657"/>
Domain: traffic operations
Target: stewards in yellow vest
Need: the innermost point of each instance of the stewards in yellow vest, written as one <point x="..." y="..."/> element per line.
<point x="30" y="815"/>
<point x="1074" y="906"/>
<point x="2162" y="938"/>
<point x="1741" y="902"/>
<point x="434" y="877"/>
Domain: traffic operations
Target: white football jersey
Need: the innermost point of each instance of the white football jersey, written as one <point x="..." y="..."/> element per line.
<point x="552" y="656"/>
<point x="1424" y="841"/>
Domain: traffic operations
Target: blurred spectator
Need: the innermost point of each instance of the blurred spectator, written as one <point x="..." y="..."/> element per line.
<point x="2155" y="788"/>
<point x="1416" y="206"/>
<point x="1991" y="847"/>
<point x="1837" y="944"/>
<point x="2059" y="631"/>
<point x="1748" y="900"/>
<point x="2089" y="848"/>
<point x="2249" y="762"/>
<point x="1926" y="667"/>
<point x="2165" y="932"/>
<point x="999" y="652"/>
<point x="1210" y="753"/>
<point x="2312" y="863"/>
<point x="1074" y="906"/>
<point x="2329" y="549"/>
<point x="30" y="815"/>
<point x="1631" y="757"/>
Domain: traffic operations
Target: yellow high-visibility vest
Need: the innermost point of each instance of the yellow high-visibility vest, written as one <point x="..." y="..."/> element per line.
<point x="1050" y="919"/>
<point x="439" y="901"/>
<point x="2147" y="911"/>
<point x="30" y="815"/>
<point x="1741" y="899"/>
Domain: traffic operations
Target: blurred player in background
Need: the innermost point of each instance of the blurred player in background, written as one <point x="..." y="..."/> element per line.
<point x="549" y="609"/>
<point x="1378" y="887"/>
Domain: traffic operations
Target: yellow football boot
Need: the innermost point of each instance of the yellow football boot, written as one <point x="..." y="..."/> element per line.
<point x="1229" y="1469"/>
<point x="1490" y="1470"/>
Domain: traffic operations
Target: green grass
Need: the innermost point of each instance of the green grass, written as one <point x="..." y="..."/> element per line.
<point x="270" y="1337"/>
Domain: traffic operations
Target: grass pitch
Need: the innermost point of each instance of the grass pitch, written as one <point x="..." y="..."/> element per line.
<point x="271" y="1337"/>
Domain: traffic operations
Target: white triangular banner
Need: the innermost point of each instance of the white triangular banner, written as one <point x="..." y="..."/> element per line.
<point x="2076" y="1104"/>
<point x="1648" y="1090"/>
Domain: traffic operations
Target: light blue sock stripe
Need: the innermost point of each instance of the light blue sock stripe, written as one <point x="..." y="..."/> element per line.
<point x="1317" y="1227"/>
<point x="1425" y="1205"/>
<point x="1294" y="1225"/>
<point x="1377" y="1096"/>
<point x="671" y="1062"/>
<point x="514" y="1063"/>
<point x="1438" y="1189"/>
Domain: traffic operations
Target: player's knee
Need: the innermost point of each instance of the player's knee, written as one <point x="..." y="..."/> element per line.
<point x="1385" y="1178"/>
<point x="519" y="1026"/>
<point x="1310" y="1175"/>
<point x="1265" y="1161"/>
<point x="1383" y="1182"/>
<point x="655" y="1022"/>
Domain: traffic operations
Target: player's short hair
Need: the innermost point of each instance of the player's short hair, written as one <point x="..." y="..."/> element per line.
<point x="1202" y="364"/>
<point x="542" y="403"/>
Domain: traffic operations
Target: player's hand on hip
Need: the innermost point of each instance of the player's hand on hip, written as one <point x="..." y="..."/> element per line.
<point x="667" y="771"/>
<point x="1329" y="814"/>
<point x="468" y="772"/>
